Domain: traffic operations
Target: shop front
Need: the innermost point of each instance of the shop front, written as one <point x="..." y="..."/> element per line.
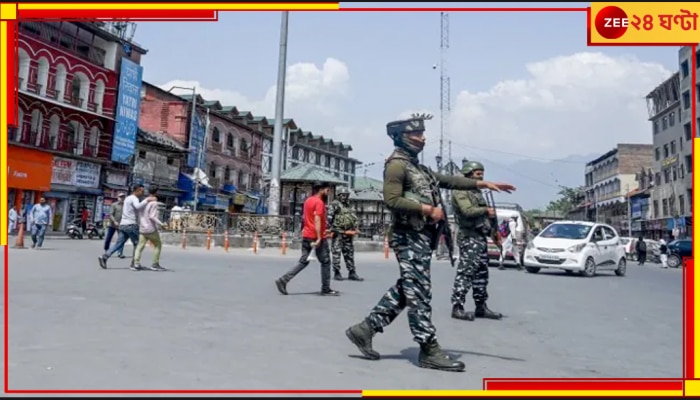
<point x="75" y="185"/>
<point x="114" y="183"/>
<point x="28" y="177"/>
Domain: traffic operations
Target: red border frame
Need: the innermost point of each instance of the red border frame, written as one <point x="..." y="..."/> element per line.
<point x="614" y="384"/>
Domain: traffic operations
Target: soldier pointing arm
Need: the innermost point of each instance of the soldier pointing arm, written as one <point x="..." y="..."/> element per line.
<point x="411" y="192"/>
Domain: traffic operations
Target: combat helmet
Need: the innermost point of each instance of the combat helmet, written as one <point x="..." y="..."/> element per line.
<point x="343" y="190"/>
<point x="414" y="124"/>
<point x="470" y="166"/>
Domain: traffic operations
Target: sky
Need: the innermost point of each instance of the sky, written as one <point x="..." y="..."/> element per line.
<point x="523" y="85"/>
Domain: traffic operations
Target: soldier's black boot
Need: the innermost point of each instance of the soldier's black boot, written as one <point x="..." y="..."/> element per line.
<point x="337" y="276"/>
<point x="459" y="313"/>
<point x="354" y="277"/>
<point x="482" y="311"/>
<point x="431" y="356"/>
<point x="361" y="336"/>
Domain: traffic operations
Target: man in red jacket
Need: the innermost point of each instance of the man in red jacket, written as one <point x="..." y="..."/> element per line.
<point x="314" y="236"/>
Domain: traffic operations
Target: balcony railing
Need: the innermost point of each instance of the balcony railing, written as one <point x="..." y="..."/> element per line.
<point x="64" y="41"/>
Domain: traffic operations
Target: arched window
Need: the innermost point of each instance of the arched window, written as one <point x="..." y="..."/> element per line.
<point x="54" y="129"/>
<point x="24" y="63"/>
<point x="229" y="140"/>
<point x="94" y="142"/>
<point x="212" y="170"/>
<point x="227" y="175"/>
<point x="36" y="127"/>
<point x="216" y="135"/>
<point x="80" y="89"/>
<point x="60" y="82"/>
<point x="99" y="95"/>
<point x="42" y="76"/>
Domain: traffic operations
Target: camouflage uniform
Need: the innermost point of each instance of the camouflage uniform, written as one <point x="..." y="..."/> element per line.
<point x="341" y="218"/>
<point x="407" y="186"/>
<point x="473" y="269"/>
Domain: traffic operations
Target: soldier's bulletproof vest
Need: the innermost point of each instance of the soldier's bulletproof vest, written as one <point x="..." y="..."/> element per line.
<point x="344" y="218"/>
<point x="420" y="187"/>
<point x="479" y="225"/>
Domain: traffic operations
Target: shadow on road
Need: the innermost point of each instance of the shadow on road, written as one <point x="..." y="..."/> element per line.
<point x="411" y="354"/>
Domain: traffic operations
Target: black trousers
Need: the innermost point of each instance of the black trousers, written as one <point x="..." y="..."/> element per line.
<point x="324" y="257"/>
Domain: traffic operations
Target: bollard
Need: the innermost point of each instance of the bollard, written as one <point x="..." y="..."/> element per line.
<point x="208" y="239"/>
<point x="284" y="243"/>
<point x="386" y="247"/>
<point x="226" y="240"/>
<point x="255" y="243"/>
<point x="184" y="239"/>
<point x="19" y="242"/>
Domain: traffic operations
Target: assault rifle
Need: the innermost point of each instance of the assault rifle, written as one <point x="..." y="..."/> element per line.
<point x="494" y="221"/>
<point x="444" y="229"/>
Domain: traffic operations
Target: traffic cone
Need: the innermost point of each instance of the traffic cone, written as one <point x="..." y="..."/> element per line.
<point x="284" y="243"/>
<point x="255" y="242"/>
<point x="184" y="239"/>
<point x="226" y="243"/>
<point x="208" y="239"/>
<point x="386" y="247"/>
<point x="19" y="242"/>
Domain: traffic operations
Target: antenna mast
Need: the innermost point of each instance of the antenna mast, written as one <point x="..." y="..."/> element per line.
<point x="444" y="84"/>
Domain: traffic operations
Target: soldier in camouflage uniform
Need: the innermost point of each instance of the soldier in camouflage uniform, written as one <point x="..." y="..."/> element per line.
<point x="472" y="216"/>
<point x="343" y="223"/>
<point x="411" y="193"/>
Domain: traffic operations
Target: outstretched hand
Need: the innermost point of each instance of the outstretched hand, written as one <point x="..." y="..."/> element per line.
<point x="496" y="187"/>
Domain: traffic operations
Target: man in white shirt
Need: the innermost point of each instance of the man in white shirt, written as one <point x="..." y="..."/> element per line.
<point x="128" y="226"/>
<point x="12" y="217"/>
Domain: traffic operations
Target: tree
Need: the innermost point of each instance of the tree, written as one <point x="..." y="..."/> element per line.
<point x="568" y="200"/>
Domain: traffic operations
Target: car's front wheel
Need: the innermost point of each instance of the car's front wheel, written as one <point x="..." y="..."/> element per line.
<point x="621" y="267"/>
<point x="674" y="261"/>
<point x="590" y="268"/>
<point x="532" y="270"/>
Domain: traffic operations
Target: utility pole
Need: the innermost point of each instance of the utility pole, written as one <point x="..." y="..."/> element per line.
<point x="200" y="155"/>
<point x="444" y="84"/>
<point x="275" y="185"/>
<point x="629" y="210"/>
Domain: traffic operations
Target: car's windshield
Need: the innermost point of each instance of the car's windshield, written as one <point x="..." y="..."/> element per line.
<point x="566" y="231"/>
<point x="624" y="240"/>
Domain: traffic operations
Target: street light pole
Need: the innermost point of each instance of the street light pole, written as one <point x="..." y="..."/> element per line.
<point x="274" y="200"/>
<point x="200" y="154"/>
<point x="200" y="150"/>
<point x="629" y="210"/>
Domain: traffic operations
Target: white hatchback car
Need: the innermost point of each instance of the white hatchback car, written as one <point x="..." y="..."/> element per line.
<point x="576" y="246"/>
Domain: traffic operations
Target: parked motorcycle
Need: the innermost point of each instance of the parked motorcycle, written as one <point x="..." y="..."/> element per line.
<point x="93" y="231"/>
<point x="73" y="230"/>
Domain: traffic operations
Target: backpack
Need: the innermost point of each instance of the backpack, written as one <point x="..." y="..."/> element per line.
<point x="504" y="229"/>
<point x="641" y="246"/>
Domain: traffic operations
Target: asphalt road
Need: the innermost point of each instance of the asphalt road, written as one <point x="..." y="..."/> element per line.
<point x="216" y="321"/>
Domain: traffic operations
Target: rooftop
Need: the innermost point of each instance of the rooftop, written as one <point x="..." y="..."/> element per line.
<point x="309" y="173"/>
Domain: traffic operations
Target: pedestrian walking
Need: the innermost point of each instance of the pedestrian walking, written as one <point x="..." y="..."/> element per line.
<point x="663" y="250"/>
<point x="148" y="232"/>
<point x="128" y="225"/>
<point x="40" y="217"/>
<point x="12" y="218"/>
<point x="115" y="215"/>
<point x="411" y="192"/>
<point x="641" y="249"/>
<point x="473" y="215"/>
<point x="314" y="237"/>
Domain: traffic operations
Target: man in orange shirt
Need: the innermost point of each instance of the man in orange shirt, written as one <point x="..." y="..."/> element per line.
<point x="314" y="236"/>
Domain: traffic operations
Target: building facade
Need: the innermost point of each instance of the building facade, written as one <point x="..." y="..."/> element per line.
<point x="608" y="180"/>
<point x="68" y="83"/>
<point x="330" y="156"/>
<point x="669" y="106"/>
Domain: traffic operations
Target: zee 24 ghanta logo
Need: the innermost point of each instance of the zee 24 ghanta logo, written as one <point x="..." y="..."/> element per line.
<point x="612" y="22"/>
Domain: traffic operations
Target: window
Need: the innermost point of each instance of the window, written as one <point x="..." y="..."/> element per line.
<point x="656" y="208"/>
<point x="685" y="69"/>
<point x="687" y="131"/>
<point x="656" y="127"/>
<point x="672" y="206"/>
<point x="666" y="151"/>
<point x="295" y="153"/>
<point x="664" y="207"/>
<point x="672" y="119"/>
<point x="216" y="135"/>
<point x="689" y="164"/>
<point x="680" y="144"/>
<point x="227" y="174"/>
<point x="657" y="151"/>
<point x="664" y="123"/>
<point x="667" y="175"/>
<point x="674" y="173"/>
<point x="686" y="100"/>
<point x="673" y="147"/>
<point x="609" y="233"/>
<point x="229" y="140"/>
<point x="657" y="179"/>
<point x="681" y="205"/>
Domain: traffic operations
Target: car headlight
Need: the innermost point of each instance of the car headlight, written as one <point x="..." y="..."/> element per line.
<point x="576" y="248"/>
